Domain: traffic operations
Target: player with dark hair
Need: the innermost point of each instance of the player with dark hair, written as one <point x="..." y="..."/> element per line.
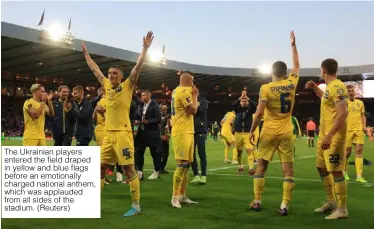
<point x="331" y="157"/>
<point x="118" y="145"/>
<point x="277" y="100"/>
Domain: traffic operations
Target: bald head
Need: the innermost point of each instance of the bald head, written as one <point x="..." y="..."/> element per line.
<point x="186" y="79"/>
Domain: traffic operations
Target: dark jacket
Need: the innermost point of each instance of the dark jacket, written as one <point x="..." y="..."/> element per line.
<point x="62" y="123"/>
<point x="244" y="116"/>
<point x="83" y="113"/>
<point x="149" y="133"/>
<point x="200" y="119"/>
<point x="135" y="102"/>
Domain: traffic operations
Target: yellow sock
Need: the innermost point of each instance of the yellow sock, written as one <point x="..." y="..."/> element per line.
<point x="359" y="163"/>
<point x="134" y="188"/>
<point x="328" y="183"/>
<point x="346" y="165"/>
<point x="226" y="152"/>
<point x="258" y="186"/>
<point x="184" y="183"/>
<point x="341" y="192"/>
<point x="288" y="186"/>
<point x="250" y="159"/>
<point x="102" y="183"/>
<point x="240" y="158"/>
<point x="177" y="179"/>
<point x="234" y="154"/>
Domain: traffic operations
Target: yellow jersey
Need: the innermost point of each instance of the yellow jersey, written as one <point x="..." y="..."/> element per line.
<point x="100" y="118"/>
<point x="118" y="102"/>
<point x="34" y="128"/>
<point x="227" y="121"/>
<point x="335" y="92"/>
<point x="280" y="98"/>
<point x="182" y="122"/>
<point x="355" y="110"/>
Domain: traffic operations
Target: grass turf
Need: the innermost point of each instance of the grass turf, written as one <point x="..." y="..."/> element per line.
<point x="223" y="201"/>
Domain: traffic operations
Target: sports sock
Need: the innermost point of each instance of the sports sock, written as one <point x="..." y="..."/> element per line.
<point x="234" y="154"/>
<point x="250" y="159"/>
<point x="177" y="178"/>
<point x="312" y="140"/>
<point x="134" y="189"/>
<point x="258" y="186"/>
<point x="102" y="183"/>
<point x="288" y="186"/>
<point x="240" y="158"/>
<point x="346" y="165"/>
<point x="341" y="191"/>
<point x="328" y="184"/>
<point x="184" y="183"/>
<point x="308" y="142"/>
<point x="359" y="163"/>
<point x="226" y="152"/>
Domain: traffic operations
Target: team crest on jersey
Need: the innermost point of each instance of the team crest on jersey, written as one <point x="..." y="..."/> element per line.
<point x="29" y="106"/>
<point x="358" y="105"/>
<point x="294" y="75"/>
<point x="188" y="99"/>
<point x="340" y="91"/>
<point x="118" y="89"/>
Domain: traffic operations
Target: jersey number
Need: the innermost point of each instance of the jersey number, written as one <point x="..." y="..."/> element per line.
<point x="285" y="103"/>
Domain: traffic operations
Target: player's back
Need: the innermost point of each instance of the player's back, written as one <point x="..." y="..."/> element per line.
<point x="355" y="109"/>
<point x="34" y="128"/>
<point x="100" y="116"/>
<point x="280" y="98"/>
<point x="335" y="92"/>
<point x="182" y="122"/>
<point x="228" y="120"/>
<point x="118" y="102"/>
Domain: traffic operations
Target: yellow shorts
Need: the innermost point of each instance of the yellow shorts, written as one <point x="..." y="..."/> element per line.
<point x="228" y="136"/>
<point x="354" y="137"/>
<point x="242" y="141"/>
<point x="332" y="159"/>
<point x="118" y="146"/>
<point x="183" y="146"/>
<point x="100" y="135"/>
<point x="283" y="143"/>
<point x="34" y="142"/>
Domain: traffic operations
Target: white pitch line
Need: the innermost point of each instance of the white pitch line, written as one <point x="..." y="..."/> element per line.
<point x="235" y="166"/>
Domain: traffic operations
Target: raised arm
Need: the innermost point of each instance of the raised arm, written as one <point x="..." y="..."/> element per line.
<point x="192" y="109"/>
<point x="50" y="110"/>
<point x="311" y="85"/>
<point x="295" y="54"/>
<point x="92" y="65"/>
<point x="147" y="41"/>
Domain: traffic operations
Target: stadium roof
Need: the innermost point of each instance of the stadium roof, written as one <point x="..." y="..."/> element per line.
<point x="26" y="55"/>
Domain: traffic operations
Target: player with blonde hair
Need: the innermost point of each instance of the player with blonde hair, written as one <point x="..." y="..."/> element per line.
<point x="34" y="111"/>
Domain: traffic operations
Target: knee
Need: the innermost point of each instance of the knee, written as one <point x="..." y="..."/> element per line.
<point x="323" y="172"/>
<point x="103" y="168"/>
<point x="359" y="151"/>
<point x="337" y="174"/>
<point x="261" y="166"/>
<point x="129" y="171"/>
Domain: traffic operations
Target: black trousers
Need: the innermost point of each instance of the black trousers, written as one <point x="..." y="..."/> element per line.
<point x="200" y="145"/>
<point x="215" y="136"/>
<point x="164" y="154"/>
<point x="62" y="139"/>
<point x="83" y="141"/>
<point x="139" y="157"/>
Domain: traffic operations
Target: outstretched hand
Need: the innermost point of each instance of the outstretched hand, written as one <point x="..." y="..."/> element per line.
<point x="84" y="49"/>
<point x="310" y="85"/>
<point x="292" y="38"/>
<point x="147" y="40"/>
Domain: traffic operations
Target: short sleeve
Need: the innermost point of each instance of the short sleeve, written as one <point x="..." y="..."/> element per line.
<point x="27" y="105"/>
<point x="185" y="98"/>
<point x="263" y="94"/>
<point x="127" y="85"/>
<point x="362" y="108"/>
<point x="105" y="82"/>
<point x="294" y="78"/>
<point x="339" y="93"/>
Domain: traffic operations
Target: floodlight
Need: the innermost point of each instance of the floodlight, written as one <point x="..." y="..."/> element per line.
<point x="55" y="32"/>
<point x="265" y="69"/>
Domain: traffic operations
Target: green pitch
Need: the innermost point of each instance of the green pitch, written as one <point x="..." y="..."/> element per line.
<point x="223" y="201"/>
